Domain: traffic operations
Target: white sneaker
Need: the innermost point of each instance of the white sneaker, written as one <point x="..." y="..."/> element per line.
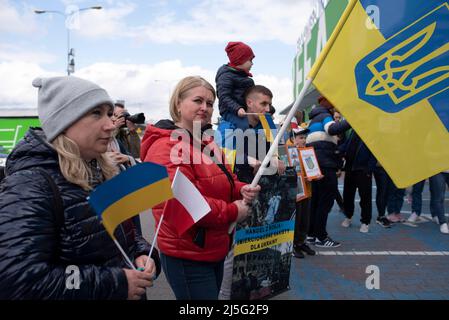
<point x="346" y="223"/>
<point x="364" y="228"/>
<point x="413" y="218"/>
<point x="444" y="229"/>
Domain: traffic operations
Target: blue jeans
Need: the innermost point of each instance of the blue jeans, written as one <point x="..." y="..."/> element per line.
<point x="417" y="197"/>
<point x="193" y="280"/>
<point x="395" y="200"/>
<point x="437" y="186"/>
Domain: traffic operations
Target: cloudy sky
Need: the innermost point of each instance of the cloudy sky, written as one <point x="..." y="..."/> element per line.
<point x="138" y="50"/>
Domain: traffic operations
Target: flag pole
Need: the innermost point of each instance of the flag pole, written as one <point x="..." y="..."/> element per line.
<point x="155" y="235"/>
<point x="124" y="254"/>
<point x="311" y="76"/>
<point x="280" y="133"/>
<point x="275" y="143"/>
<point x="160" y="223"/>
<point x="327" y="47"/>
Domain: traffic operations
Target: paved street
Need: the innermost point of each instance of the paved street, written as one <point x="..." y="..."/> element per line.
<point x="412" y="262"/>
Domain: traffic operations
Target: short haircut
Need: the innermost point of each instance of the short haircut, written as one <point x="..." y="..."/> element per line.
<point x="258" y="89"/>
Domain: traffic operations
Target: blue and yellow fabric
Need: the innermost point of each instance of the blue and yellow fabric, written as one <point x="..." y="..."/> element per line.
<point x="268" y="126"/>
<point x="391" y="82"/>
<point x="137" y="189"/>
<point x="224" y="137"/>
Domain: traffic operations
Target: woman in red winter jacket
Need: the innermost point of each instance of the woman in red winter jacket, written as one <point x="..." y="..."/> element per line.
<point x="193" y="260"/>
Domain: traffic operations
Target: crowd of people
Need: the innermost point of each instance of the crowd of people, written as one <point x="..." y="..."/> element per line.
<point x="47" y="225"/>
<point x="340" y="151"/>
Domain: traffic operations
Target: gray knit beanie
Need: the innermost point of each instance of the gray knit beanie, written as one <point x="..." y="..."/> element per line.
<point x="64" y="100"/>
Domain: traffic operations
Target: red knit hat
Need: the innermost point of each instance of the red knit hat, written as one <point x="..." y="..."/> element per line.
<point x="238" y="53"/>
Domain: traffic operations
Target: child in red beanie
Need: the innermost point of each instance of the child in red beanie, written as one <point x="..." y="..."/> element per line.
<point x="232" y="80"/>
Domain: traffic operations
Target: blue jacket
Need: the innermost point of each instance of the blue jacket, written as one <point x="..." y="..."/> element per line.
<point x="323" y="137"/>
<point x="231" y="86"/>
<point x="35" y="250"/>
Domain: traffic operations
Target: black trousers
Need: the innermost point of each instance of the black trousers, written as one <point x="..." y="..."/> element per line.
<point x="363" y="182"/>
<point x="302" y="221"/>
<point x="339" y="198"/>
<point x="323" y="197"/>
<point x="384" y="187"/>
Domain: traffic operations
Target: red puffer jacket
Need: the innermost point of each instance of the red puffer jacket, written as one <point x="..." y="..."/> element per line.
<point x="210" y="180"/>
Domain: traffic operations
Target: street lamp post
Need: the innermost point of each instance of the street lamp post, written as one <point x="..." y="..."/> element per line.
<point x="70" y="51"/>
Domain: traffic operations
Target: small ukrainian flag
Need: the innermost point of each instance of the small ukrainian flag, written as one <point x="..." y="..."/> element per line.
<point x="268" y="125"/>
<point x="137" y="189"/>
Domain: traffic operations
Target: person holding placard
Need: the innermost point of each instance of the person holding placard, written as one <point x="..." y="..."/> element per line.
<point x="323" y="137"/>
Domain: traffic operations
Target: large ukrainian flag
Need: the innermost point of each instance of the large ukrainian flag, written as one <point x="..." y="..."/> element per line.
<point x="137" y="189"/>
<point x="391" y="82"/>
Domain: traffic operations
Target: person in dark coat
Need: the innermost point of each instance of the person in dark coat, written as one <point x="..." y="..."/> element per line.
<point x="232" y="80"/>
<point x="360" y="164"/>
<point x="323" y="131"/>
<point x="48" y="230"/>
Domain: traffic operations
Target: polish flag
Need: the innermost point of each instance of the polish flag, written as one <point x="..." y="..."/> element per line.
<point x="196" y="207"/>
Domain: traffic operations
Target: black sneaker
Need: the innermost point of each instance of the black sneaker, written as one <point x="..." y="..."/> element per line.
<point x="311" y="240"/>
<point x="384" y="222"/>
<point x="298" y="254"/>
<point x="304" y="247"/>
<point x="327" y="243"/>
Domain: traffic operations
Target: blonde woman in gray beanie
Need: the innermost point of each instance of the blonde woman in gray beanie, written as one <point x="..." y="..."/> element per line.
<point x="52" y="246"/>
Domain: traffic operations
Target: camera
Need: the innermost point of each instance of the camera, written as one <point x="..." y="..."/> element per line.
<point x="138" y="118"/>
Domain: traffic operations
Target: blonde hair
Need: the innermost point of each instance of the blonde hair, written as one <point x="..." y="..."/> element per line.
<point x="74" y="168"/>
<point x="181" y="90"/>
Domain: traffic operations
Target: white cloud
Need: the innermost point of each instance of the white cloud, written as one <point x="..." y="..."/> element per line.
<point x="107" y="22"/>
<point x="14" y="21"/>
<point x="145" y="88"/>
<point x="10" y="52"/>
<point x="218" y="21"/>
<point x="208" y="21"/>
<point x="280" y="87"/>
<point x="15" y="88"/>
<point x="72" y="2"/>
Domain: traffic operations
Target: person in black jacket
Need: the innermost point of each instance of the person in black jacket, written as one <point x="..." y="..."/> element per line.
<point x="359" y="167"/>
<point x="52" y="245"/>
<point x="232" y="80"/>
<point x="323" y="131"/>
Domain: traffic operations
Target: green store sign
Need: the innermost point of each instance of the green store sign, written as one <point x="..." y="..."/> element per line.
<point x="313" y="40"/>
<point x="12" y="130"/>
